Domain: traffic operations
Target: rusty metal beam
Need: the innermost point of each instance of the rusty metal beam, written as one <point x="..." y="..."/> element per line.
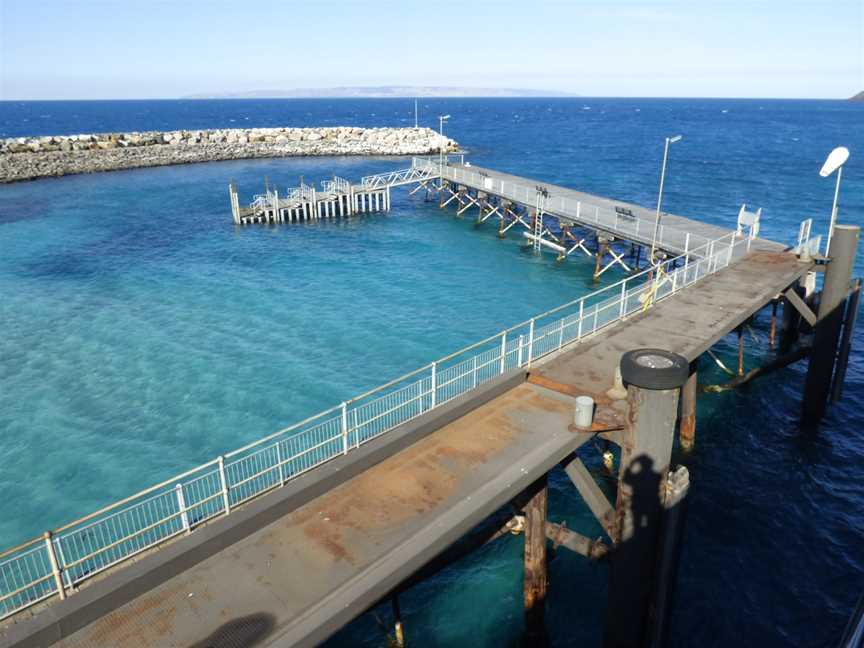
<point x="561" y="536"/>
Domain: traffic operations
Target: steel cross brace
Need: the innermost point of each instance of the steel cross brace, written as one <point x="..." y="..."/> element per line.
<point x="471" y="201"/>
<point x="616" y="258"/>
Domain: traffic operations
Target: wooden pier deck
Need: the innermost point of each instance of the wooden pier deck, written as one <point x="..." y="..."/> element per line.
<point x="297" y="578"/>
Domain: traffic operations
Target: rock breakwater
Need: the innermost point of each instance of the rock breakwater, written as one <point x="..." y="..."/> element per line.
<point x="28" y="158"/>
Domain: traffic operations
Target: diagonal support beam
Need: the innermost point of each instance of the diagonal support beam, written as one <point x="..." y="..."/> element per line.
<point x="488" y="214"/>
<point x="799" y="304"/>
<point x="471" y="201"/>
<point x="453" y="195"/>
<point x="561" y="536"/>
<point x="591" y="493"/>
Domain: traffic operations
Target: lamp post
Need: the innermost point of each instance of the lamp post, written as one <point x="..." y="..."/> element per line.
<point x="441" y="120"/>
<point x="669" y="140"/>
<point x="835" y="161"/>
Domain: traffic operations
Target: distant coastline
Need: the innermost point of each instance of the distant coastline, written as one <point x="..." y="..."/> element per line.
<point x="381" y="92"/>
<point x="857" y="97"/>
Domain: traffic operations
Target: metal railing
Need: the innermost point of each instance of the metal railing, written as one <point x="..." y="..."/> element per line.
<point x="336" y="185"/>
<point x="56" y="563"/>
<point x="630" y="226"/>
<point x="414" y="173"/>
<point x="807" y="245"/>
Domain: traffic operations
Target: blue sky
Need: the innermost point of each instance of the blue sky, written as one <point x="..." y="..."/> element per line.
<point x="133" y="49"/>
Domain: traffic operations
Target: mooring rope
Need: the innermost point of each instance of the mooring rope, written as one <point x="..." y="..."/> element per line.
<point x="720" y="363"/>
<point x="650" y="296"/>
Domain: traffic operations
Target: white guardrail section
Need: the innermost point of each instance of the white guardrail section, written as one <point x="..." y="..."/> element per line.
<point x="601" y="216"/>
<point x="56" y="563"/>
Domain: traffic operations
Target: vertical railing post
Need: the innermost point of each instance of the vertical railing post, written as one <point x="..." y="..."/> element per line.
<point x="223" y="483"/>
<point x="519" y="353"/>
<point x="344" y="428"/>
<point x="531" y="342"/>
<point x="731" y="246"/>
<point x="434" y="383"/>
<point x="181" y="506"/>
<point x="623" y="299"/>
<point x="581" y="312"/>
<point x="474" y="372"/>
<point x="686" y="255"/>
<point x="503" y="350"/>
<point x="55" y="566"/>
<point x="280" y="463"/>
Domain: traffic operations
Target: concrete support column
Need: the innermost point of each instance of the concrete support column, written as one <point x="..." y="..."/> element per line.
<point x="844" y="246"/>
<point x="536" y="578"/>
<point x="653" y="378"/>
<point x="687" y="424"/>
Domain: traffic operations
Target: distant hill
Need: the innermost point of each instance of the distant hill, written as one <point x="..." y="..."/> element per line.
<point x="858" y="97"/>
<point x="381" y="92"/>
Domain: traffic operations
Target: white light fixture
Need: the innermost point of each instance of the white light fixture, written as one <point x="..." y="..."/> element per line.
<point x="834" y="162"/>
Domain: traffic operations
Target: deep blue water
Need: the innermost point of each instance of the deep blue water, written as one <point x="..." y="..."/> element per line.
<point x="143" y="334"/>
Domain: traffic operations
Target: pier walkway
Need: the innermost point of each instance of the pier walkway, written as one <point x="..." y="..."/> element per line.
<point x="311" y="568"/>
<point x="285" y="540"/>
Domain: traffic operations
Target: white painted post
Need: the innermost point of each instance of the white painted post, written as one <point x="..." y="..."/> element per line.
<point x="344" y="428"/>
<point x="731" y="245"/>
<point x="223" y="483"/>
<point x="55" y="566"/>
<point x="280" y="463"/>
<point x="503" y="350"/>
<point x="519" y="357"/>
<point x="581" y="312"/>
<point x="181" y="506"/>
<point x="434" y="383"/>
<point x="578" y="209"/>
<point x="623" y="298"/>
<point x="531" y="342"/>
<point x="474" y="372"/>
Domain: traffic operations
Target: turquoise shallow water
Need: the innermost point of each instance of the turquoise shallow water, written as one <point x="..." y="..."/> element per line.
<point x="143" y="334"/>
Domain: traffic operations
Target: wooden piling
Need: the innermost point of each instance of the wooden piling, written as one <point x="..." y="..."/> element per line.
<point x="687" y="423"/>
<point x="536" y="578"/>
<point x="602" y="246"/>
<point x="740" y="331"/>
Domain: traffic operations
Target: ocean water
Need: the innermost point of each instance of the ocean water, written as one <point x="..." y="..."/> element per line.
<point x="143" y="334"/>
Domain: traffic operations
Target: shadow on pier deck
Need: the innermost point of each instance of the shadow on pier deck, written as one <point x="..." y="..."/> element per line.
<point x="293" y="566"/>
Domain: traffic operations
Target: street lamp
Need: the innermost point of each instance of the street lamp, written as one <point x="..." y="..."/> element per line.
<point x="441" y="120"/>
<point x="669" y="140"/>
<point x="835" y="161"/>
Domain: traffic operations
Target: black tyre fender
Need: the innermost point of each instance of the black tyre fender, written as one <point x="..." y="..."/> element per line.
<point x="654" y="369"/>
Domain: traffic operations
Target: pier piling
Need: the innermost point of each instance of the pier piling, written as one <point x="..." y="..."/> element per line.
<point x="687" y="424"/>
<point x="838" y="275"/>
<point x="653" y="378"/>
<point x="535" y="561"/>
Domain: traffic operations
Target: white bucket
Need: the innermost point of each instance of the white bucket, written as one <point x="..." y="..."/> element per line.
<point x="584" y="414"/>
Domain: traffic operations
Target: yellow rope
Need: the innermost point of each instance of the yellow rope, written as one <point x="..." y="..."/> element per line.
<point x="649" y="296"/>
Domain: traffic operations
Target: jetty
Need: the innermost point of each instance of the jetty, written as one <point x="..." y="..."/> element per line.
<point x="285" y="540"/>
